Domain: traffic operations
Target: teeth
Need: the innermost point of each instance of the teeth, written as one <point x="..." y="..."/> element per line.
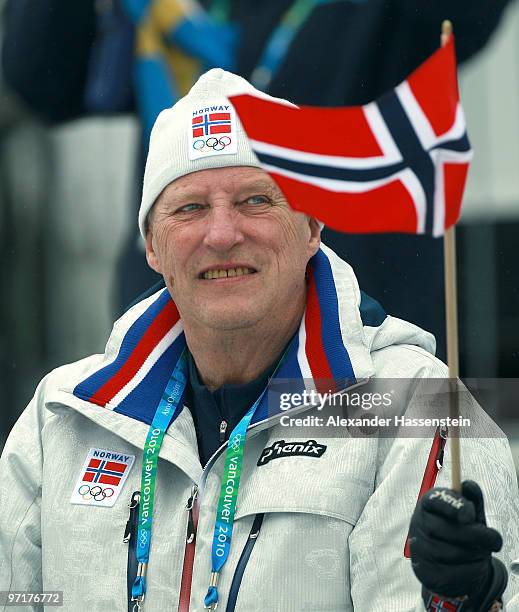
<point x="211" y="274"/>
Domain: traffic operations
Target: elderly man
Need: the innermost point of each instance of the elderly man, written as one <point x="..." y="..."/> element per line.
<point x="234" y="513"/>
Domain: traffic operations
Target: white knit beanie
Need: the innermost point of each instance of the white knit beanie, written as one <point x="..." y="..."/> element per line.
<point x="202" y="130"/>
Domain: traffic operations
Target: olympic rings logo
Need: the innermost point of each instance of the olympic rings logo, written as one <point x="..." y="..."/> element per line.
<point x="143" y="539"/>
<point x="217" y="144"/>
<point x="96" y="492"/>
<point x="235" y="444"/>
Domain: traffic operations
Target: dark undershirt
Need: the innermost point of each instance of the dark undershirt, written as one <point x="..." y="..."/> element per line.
<point x="229" y="403"/>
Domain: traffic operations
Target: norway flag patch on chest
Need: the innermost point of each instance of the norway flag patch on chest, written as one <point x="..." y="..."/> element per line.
<point x="102" y="478"/>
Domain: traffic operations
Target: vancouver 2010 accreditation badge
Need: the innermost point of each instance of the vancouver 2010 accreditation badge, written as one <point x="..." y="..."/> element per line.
<point x="102" y="478"/>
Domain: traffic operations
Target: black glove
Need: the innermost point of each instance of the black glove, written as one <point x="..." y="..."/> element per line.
<point x="451" y="548"/>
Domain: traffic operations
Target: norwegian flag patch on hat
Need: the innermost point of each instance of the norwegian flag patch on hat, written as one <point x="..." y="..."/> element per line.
<point x="102" y="478"/>
<point x="213" y="130"/>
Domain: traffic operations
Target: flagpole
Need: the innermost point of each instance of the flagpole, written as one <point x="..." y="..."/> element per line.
<point x="451" y="314"/>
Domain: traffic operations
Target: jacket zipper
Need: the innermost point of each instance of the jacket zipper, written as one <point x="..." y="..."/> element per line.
<point x="189" y="551"/>
<point x="130" y="538"/>
<point x="433" y="466"/>
<point x="242" y="563"/>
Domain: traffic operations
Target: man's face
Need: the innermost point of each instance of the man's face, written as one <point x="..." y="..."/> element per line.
<point x="231" y="250"/>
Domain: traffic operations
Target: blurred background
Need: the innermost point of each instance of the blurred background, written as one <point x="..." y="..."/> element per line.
<point x="82" y="82"/>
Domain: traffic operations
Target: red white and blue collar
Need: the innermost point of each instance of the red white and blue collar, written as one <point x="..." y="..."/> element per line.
<point x="133" y="382"/>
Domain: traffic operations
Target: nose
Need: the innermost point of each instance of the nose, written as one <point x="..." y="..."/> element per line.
<point x="223" y="230"/>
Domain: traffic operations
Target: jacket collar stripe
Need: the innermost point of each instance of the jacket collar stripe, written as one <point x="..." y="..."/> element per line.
<point x="314" y="349"/>
<point x="148" y="364"/>
<point x="151" y="337"/>
<point x="140" y="340"/>
<point x="317" y="358"/>
<point x="301" y="354"/>
<point x="325" y="327"/>
<point x="143" y="400"/>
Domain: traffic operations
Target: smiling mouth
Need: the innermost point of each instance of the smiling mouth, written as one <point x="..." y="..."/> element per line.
<point x="228" y="273"/>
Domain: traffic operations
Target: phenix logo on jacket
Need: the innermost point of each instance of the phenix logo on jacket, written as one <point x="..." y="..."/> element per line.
<point x="323" y="529"/>
<point x="308" y="448"/>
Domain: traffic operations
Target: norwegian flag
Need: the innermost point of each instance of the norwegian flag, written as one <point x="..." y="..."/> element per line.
<point x="436" y="604"/>
<point x="104" y="472"/>
<point x="211" y="123"/>
<point x="398" y="164"/>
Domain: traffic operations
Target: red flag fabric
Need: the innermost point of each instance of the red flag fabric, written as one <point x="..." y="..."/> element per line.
<point x="398" y="164"/>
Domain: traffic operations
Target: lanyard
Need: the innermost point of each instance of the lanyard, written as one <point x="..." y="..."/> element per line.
<point x="169" y="407"/>
<point x="226" y="508"/>
<point x="280" y="41"/>
<point x="227" y="503"/>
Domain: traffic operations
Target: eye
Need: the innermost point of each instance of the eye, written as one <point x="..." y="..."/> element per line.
<point x="257" y="200"/>
<point x="188" y="208"/>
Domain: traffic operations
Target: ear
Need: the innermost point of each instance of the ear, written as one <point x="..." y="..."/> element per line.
<point x="151" y="255"/>
<point x="314" y="241"/>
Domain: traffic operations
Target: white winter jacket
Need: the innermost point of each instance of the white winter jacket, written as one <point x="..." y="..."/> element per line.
<point x="319" y="533"/>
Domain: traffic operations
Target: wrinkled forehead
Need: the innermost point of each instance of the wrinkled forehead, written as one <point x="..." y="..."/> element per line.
<point x="232" y="183"/>
<point x="223" y="181"/>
